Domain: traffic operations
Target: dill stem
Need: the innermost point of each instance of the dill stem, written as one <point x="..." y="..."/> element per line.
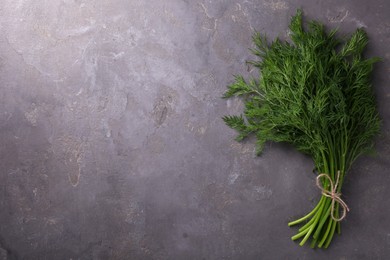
<point x="292" y="223"/>
<point x="316" y="219"/>
<point x="324" y="217"/>
<point x="311" y="224"/>
<point x="326" y="233"/>
<point x="330" y="236"/>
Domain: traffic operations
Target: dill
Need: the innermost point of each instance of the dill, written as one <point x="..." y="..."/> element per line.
<point x="314" y="93"/>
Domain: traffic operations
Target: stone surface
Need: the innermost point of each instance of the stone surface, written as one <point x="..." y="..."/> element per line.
<point x="112" y="144"/>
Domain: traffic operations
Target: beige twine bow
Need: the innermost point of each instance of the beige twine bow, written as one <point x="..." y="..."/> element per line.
<point x="333" y="194"/>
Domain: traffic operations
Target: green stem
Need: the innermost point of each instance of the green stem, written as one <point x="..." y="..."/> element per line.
<point x="292" y="223"/>
<point x="317" y="217"/>
<point x="303" y="230"/>
<point x="324" y="217"/>
<point x="319" y="223"/>
<point x="326" y="233"/>
<point x="330" y="236"/>
<point x="313" y="218"/>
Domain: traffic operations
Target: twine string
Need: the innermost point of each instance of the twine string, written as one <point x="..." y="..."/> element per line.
<point x="333" y="194"/>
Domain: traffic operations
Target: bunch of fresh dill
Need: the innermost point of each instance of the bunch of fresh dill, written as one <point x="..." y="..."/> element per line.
<point x="314" y="93"/>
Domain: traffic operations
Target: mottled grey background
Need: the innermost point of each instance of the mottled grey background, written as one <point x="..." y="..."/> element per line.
<point x="112" y="144"/>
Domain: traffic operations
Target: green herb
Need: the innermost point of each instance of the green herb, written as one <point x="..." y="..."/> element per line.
<point x="314" y="93"/>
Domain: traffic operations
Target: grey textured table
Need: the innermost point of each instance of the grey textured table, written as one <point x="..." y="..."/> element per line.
<point x="112" y="144"/>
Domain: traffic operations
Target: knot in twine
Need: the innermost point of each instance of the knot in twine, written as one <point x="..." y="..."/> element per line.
<point x="333" y="194"/>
